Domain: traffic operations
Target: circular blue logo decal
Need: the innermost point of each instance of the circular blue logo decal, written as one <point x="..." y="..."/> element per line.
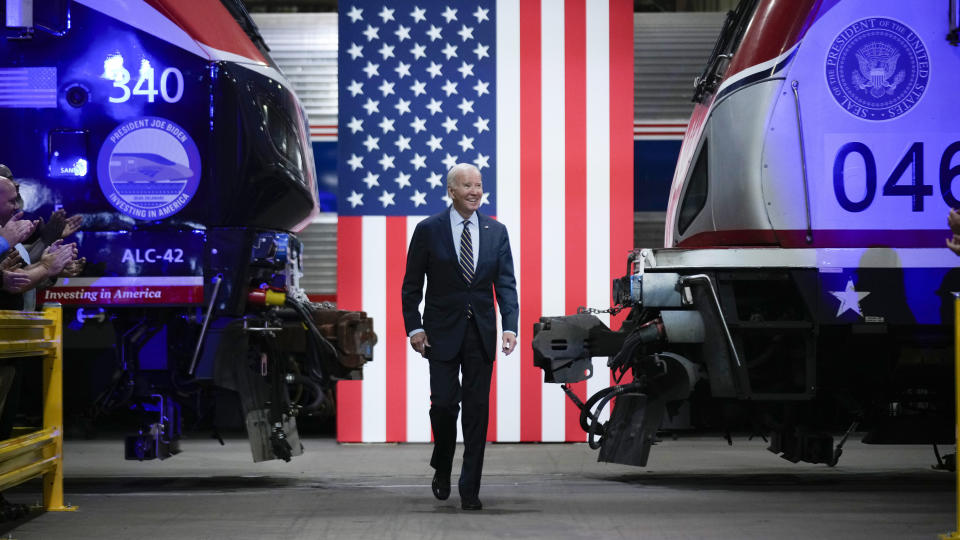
<point x="149" y="168"/>
<point x="877" y="68"/>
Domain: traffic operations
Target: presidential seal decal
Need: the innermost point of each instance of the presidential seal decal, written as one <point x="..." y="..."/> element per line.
<point x="877" y="68"/>
<point x="149" y="168"/>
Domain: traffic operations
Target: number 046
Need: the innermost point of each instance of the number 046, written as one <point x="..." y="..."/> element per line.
<point x="900" y="182"/>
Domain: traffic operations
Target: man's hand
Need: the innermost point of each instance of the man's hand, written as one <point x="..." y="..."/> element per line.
<point x="57" y="256"/>
<point x="954" y="243"/>
<point x="15" y="282"/>
<point x="52" y="230"/>
<point x="74" y="267"/>
<point x="17" y="230"/>
<point x="419" y="343"/>
<point x="73" y="224"/>
<point x="509" y="343"/>
<point x="11" y="259"/>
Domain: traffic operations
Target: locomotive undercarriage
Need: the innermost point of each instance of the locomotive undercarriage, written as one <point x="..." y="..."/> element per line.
<point x="727" y="350"/>
<point x="257" y="337"/>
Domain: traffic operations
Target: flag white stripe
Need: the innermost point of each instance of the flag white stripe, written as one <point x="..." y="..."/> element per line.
<point x="598" y="175"/>
<point x="374" y="408"/>
<point x="508" y="199"/>
<point x="552" y="199"/>
<point x="418" y="378"/>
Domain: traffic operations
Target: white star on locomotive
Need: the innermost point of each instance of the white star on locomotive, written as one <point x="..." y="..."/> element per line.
<point x="849" y="299"/>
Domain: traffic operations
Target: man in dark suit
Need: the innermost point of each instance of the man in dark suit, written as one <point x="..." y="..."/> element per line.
<point x="466" y="258"/>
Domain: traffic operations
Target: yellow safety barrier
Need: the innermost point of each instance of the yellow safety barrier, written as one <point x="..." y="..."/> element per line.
<point x="40" y="453"/>
<point x="955" y="535"/>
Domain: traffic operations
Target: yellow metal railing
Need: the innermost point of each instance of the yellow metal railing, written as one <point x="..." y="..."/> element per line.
<point x="955" y="535"/>
<point x="40" y="453"/>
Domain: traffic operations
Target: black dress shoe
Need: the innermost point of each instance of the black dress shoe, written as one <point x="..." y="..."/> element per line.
<point x="441" y="486"/>
<point x="471" y="504"/>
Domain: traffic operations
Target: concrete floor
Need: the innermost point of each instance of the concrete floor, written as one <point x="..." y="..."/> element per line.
<point x="693" y="488"/>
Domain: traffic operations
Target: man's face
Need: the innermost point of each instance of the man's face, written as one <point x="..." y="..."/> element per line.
<point x="466" y="192"/>
<point x="8" y="200"/>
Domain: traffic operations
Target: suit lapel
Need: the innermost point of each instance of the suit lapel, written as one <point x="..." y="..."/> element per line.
<point x="446" y="235"/>
<point x="486" y="241"/>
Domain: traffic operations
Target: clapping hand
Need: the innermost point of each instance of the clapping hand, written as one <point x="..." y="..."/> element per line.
<point x="52" y="230"/>
<point x="953" y="221"/>
<point x="15" y="282"/>
<point x="57" y="256"/>
<point x="17" y="230"/>
<point x="74" y="267"/>
<point x="11" y="260"/>
<point x="73" y="224"/>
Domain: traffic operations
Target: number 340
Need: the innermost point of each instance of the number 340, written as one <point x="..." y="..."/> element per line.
<point x="899" y="183"/>
<point x="145" y="85"/>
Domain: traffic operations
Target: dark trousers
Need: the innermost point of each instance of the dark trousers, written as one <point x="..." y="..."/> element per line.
<point x="446" y="393"/>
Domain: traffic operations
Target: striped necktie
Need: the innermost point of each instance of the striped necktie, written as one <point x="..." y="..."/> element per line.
<point x="466" y="253"/>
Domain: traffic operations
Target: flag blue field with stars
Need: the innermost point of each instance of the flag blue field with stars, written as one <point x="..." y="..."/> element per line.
<point x="416" y="96"/>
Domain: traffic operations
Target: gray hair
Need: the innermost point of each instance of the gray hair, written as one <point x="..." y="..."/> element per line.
<point x="457" y="169"/>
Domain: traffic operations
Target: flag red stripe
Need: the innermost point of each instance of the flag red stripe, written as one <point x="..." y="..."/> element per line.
<point x="575" y="197"/>
<point x="350" y="296"/>
<point x="396" y="338"/>
<point x="621" y="139"/>
<point x="530" y="188"/>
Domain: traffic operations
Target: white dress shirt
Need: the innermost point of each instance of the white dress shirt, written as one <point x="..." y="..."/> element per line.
<point x="456" y="227"/>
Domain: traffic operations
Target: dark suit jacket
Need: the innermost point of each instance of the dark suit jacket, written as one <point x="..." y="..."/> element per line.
<point x="432" y="254"/>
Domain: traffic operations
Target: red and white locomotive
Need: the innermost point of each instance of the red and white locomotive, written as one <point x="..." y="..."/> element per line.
<point x="805" y="288"/>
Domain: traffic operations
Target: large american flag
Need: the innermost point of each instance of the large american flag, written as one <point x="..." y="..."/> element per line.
<point x="539" y="96"/>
